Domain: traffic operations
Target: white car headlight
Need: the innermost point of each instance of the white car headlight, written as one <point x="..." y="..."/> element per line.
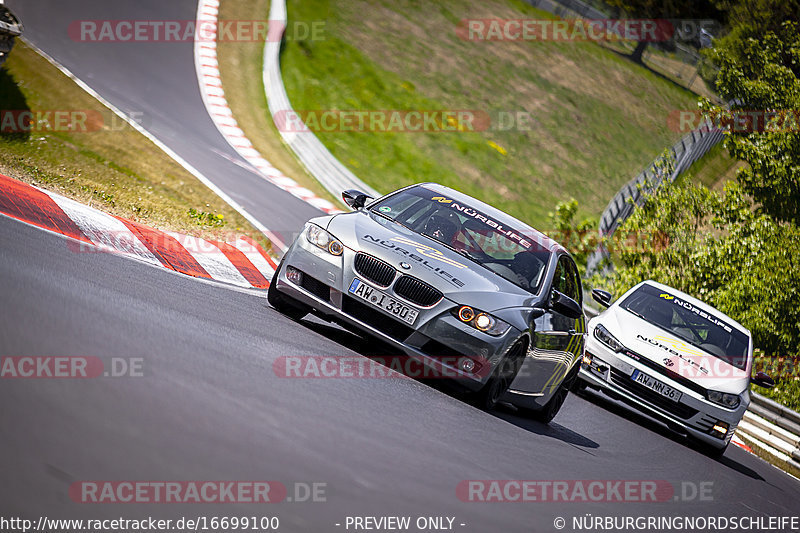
<point x="602" y="334"/>
<point x="324" y="240"/>
<point x="481" y="321"/>
<point x="731" y="401"/>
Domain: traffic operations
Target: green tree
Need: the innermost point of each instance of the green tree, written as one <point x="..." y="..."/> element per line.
<point x="579" y="237"/>
<point x="759" y="72"/>
<point x="744" y="263"/>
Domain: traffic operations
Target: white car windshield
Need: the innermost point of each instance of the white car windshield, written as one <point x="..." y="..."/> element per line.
<point x="692" y="324"/>
<point x="485" y="239"/>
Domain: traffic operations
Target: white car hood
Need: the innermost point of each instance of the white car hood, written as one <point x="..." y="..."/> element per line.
<point x="673" y="353"/>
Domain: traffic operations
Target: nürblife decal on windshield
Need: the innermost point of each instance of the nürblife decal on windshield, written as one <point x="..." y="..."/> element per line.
<point x="477" y="215"/>
<point x="696" y="310"/>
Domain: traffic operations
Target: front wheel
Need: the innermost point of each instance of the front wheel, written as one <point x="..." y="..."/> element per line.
<point x="547" y="413"/>
<point x="281" y="303"/>
<point x="489" y="395"/>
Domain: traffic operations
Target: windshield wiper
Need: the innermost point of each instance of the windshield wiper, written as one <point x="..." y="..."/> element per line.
<point x="631" y="311"/>
<point x="665" y="328"/>
<point x="390" y="219"/>
<point x="466" y="254"/>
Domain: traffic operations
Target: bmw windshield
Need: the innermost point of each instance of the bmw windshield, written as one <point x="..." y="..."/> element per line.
<point x="505" y="251"/>
<point x="690" y="323"/>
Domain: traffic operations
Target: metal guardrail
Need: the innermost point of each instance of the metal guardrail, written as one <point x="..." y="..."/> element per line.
<point x="314" y="156"/>
<point x="772" y="427"/>
<point x="679" y="158"/>
<point x="568" y="9"/>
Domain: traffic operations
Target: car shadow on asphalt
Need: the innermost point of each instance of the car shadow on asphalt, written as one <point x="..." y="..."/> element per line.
<point x="651" y="424"/>
<point x="553" y="430"/>
<point x="380" y="352"/>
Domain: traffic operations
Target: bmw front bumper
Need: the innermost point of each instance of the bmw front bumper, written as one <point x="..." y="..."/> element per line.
<point x="437" y="339"/>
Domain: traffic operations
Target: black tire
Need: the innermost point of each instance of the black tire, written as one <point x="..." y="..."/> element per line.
<point x="503" y="375"/>
<point x="579" y="386"/>
<point x="547" y="413"/>
<point x="283" y="304"/>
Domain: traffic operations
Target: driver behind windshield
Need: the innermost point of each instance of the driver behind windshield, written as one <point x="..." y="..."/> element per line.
<point x="526" y="267"/>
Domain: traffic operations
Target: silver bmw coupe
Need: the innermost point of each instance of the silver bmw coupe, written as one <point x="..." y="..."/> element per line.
<point x="465" y="289"/>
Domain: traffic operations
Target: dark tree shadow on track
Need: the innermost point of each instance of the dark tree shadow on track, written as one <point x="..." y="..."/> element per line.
<point x="649" y="69"/>
<point x="656" y="426"/>
<point x="13" y="102"/>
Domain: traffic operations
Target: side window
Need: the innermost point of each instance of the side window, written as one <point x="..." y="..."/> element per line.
<point x="576" y="293"/>
<point x="560" y="277"/>
<point x="566" y="279"/>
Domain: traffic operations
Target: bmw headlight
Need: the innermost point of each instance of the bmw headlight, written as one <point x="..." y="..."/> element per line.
<point x="602" y="334"/>
<point x="481" y="321"/>
<point x="324" y="240"/>
<point x="731" y="401"/>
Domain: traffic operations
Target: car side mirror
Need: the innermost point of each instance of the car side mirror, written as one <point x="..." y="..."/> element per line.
<point x="762" y="380"/>
<point x="355" y="198"/>
<point x="561" y="303"/>
<point x="602" y="297"/>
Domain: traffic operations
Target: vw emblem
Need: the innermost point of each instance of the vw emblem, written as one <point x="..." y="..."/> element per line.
<point x="668" y="362"/>
<point x="405" y="265"/>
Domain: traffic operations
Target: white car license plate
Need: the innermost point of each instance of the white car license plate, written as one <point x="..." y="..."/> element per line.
<point x="653" y="384"/>
<point x="383" y="301"/>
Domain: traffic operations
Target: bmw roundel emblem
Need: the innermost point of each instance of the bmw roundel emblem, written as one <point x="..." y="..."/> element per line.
<point x="405" y="265"/>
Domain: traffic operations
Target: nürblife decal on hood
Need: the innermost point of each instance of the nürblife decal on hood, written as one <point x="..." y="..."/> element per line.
<point x="421" y="258"/>
<point x="672" y="346"/>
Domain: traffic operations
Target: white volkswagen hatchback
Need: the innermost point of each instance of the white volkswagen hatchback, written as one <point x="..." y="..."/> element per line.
<point x="675" y="358"/>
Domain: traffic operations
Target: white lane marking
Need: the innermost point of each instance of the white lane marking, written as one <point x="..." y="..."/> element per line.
<point x="108" y="233"/>
<point x="212" y="259"/>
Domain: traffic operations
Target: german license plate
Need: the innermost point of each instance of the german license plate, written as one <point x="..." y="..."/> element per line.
<point x="653" y="384"/>
<point x="383" y="301"/>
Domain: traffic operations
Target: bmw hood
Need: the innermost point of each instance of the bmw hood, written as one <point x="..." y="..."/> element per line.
<point x="460" y="279"/>
<point x="672" y="352"/>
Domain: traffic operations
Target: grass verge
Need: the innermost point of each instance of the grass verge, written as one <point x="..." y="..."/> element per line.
<point x="240" y="65"/>
<point x="596" y="118"/>
<point x="771" y="459"/>
<point x="103" y="161"/>
<point x="715" y="168"/>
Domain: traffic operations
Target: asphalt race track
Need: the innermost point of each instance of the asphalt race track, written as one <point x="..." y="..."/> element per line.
<point x="157" y="81"/>
<point x="209" y="405"/>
